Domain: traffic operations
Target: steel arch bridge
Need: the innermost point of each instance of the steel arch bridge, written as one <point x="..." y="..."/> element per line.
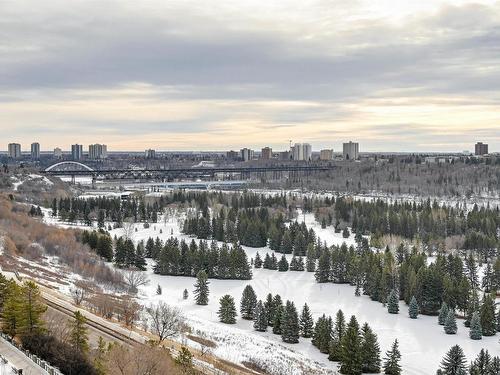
<point x="69" y="162"/>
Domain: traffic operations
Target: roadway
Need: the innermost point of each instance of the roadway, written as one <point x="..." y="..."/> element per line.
<point x="17" y="359"/>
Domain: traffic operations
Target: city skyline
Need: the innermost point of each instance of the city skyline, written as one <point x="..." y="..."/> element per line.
<point x="183" y="76"/>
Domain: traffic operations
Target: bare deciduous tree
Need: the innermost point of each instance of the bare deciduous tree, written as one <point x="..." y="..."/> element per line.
<point x="134" y="279"/>
<point x="128" y="310"/>
<point x="165" y="321"/>
<point x="128" y="228"/>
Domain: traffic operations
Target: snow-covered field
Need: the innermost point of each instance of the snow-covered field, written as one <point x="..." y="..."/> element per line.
<point x="423" y="342"/>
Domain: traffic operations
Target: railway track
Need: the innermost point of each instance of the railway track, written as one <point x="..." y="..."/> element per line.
<point x="96" y="325"/>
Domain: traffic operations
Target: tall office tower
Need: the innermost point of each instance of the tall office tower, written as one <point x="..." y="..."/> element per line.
<point x="481" y="148"/>
<point x="150" y="154"/>
<point x="326" y="155"/>
<point x="351" y="151"/>
<point x="14" y="150"/>
<point x="232" y="155"/>
<point x="246" y="154"/>
<point x="35" y="151"/>
<point x="98" y="151"/>
<point x="307" y="151"/>
<point x="266" y="153"/>
<point x="58" y="153"/>
<point x="301" y="151"/>
<point x="77" y="152"/>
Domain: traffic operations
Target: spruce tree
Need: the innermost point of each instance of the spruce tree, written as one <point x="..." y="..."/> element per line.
<point x="248" y="303"/>
<point x="158" y="290"/>
<point x="269" y="309"/>
<point x="322" y="334"/>
<point x="290" y="324"/>
<point x="185" y="294"/>
<point x="487" y="315"/>
<point x="351" y="361"/>
<point x="257" y="263"/>
<point x="227" y="310"/>
<point x="443" y="313"/>
<point x="310" y="258"/>
<point x="140" y="257"/>
<point x="392" y="359"/>
<point x="78" y="336"/>
<point x="201" y="288"/>
<point x="277" y="302"/>
<point x="454" y="362"/>
<point x="277" y="320"/>
<point x="260" y="318"/>
<point x="335" y="347"/>
<point x="283" y="264"/>
<point x="450" y="324"/>
<point x="370" y="351"/>
<point x="393" y="302"/>
<point x="306" y="322"/>
<point x="476" y="331"/>
<point x="483" y="364"/>
<point x="413" y="308"/>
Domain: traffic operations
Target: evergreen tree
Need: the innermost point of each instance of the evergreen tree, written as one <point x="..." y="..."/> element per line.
<point x="472" y="306"/>
<point x="283" y="264"/>
<point x="158" y="290"/>
<point x="140" y="257"/>
<point x="370" y="351"/>
<point x="277" y="320"/>
<point x="227" y="310"/>
<point x="322" y="334"/>
<point x="78" y="336"/>
<point x="257" y="263"/>
<point x="260" y="318"/>
<point x="483" y="364"/>
<point x="185" y="294"/>
<point x="476" y="331"/>
<point x="99" y="361"/>
<point x="335" y="345"/>
<point x="290" y="324"/>
<point x="443" y="313"/>
<point x="322" y="273"/>
<point x="413" y="308"/>
<point x="487" y="315"/>
<point x="454" y="362"/>
<point x="311" y="258"/>
<point x="306" y="322"/>
<point x="28" y="308"/>
<point x="248" y="303"/>
<point x="351" y="360"/>
<point x="393" y="302"/>
<point x="450" y="324"/>
<point x="105" y="247"/>
<point x="269" y="309"/>
<point x="392" y="359"/>
<point x="201" y="288"/>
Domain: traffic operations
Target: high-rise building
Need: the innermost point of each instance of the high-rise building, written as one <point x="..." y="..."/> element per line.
<point x="150" y="154"/>
<point x="58" y="153"/>
<point x="266" y="153"/>
<point x="35" y="151"/>
<point x="232" y="155"/>
<point x="14" y="150"/>
<point x="351" y="151"/>
<point x="246" y="154"/>
<point x="481" y="148"/>
<point x="98" y="151"/>
<point x="301" y="151"/>
<point x="326" y="155"/>
<point x="77" y="152"/>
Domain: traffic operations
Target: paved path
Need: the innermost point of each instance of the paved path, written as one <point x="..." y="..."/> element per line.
<point x="17" y="359"/>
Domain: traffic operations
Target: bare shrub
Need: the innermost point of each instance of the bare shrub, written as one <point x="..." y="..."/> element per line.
<point x="140" y="359"/>
<point x="128" y="310"/>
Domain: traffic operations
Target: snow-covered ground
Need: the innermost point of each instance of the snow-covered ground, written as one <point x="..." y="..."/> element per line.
<point x="423" y="342"/>
<point x="6" y="368"/>
<point x="20" y="179"/>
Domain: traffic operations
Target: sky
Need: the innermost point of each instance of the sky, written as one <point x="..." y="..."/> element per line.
<point x="216" y="75"/>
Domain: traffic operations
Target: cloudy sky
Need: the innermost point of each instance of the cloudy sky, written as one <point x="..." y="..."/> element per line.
<point x="213" y="75"/>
